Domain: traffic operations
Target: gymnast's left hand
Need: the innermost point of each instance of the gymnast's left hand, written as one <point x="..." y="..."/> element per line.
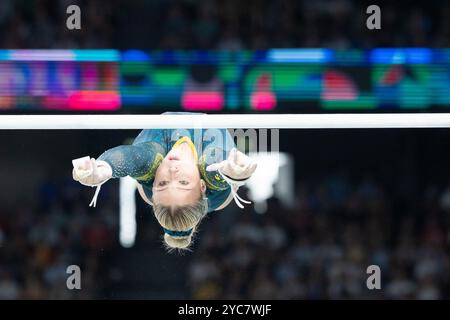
<point x="91" y="172"/>
<point x="238" y="166"/>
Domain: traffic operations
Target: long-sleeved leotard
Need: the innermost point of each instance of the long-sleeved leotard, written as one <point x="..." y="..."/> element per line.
<point x="137" y="161"/>
<point x="141" y="159"/>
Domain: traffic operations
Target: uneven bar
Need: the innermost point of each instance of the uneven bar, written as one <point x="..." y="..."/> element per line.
<point x="231" y="121"/>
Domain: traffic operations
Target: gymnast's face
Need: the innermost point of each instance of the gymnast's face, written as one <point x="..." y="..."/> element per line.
<point x="177" y="180"/>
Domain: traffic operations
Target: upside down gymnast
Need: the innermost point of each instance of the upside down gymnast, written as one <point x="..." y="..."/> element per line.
<point x="182" y="173"/>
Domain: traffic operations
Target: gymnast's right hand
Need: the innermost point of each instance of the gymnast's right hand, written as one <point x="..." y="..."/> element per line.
<point x="91" y="172"/>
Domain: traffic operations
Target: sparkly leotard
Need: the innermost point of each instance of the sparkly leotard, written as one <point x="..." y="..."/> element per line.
<point x="141" y="159"/>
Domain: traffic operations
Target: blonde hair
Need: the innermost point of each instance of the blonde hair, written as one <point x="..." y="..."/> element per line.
<point x="180" y="219"/>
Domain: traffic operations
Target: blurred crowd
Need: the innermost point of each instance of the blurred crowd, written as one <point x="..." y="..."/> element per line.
<point x="318" y="249"/>
<point x="227" y="25"/>
<point x="38" y="243"/>
<point x="321" y="248"/>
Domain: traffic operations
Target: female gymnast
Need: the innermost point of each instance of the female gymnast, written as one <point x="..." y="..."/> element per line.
<point x="182" y="173"/>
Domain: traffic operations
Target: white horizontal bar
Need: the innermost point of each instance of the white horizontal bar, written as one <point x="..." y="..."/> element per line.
<point x="235" y="121"/>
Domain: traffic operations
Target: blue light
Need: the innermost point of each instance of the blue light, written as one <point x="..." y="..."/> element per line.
<point x="97" y="55"/>
<point x="135" y="55"/>
<point x="4" y="55"/>
<point x="300" y="55"/>
<point x="401" y="56"/>
<point x="59" y="55"/>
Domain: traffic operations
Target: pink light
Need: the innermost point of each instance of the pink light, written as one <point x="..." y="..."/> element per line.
<point x="263" y="101"/>
<point x="94" y="100"/>
<point x="336" y="94"/>
<point x="338" y="86"/>
<point x="262" y="97"/>
<point x="89" y="76"/>
<point x="195" y="101"/>
<point x="55" y="102"/>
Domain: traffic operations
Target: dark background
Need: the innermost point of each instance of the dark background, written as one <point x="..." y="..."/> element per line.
<point x="362" y="196"/>
<point x="232" y="24"/>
